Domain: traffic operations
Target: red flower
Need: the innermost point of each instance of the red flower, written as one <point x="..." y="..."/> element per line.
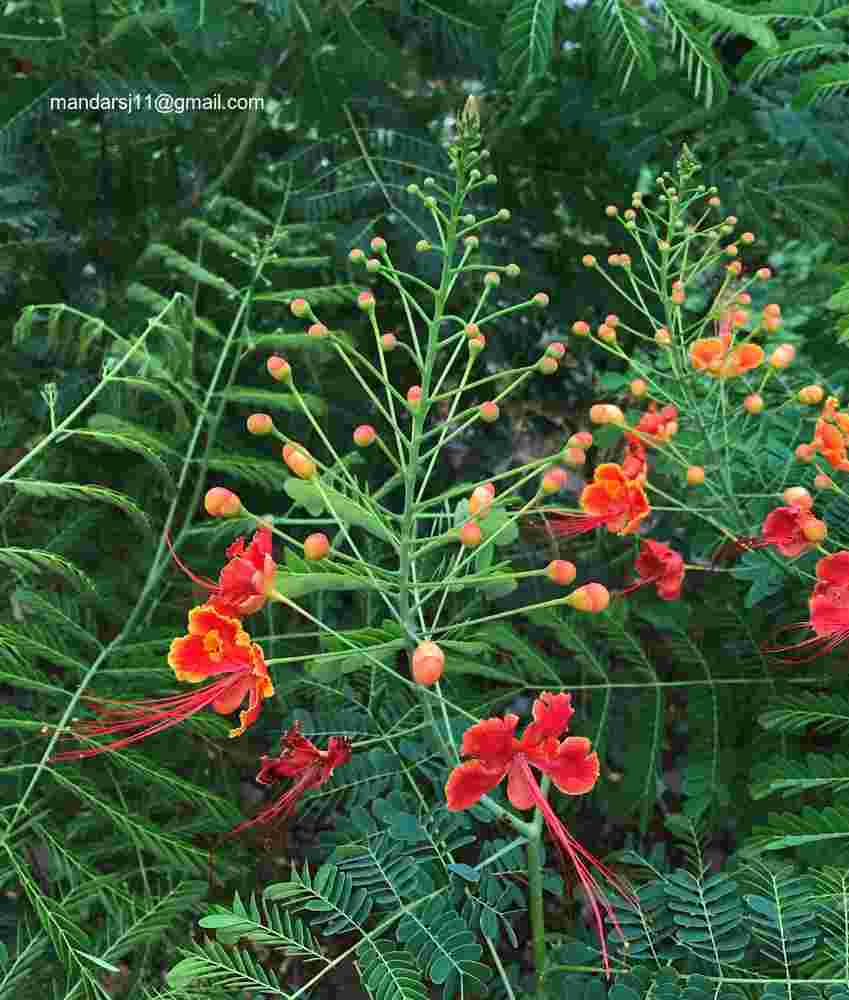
<point x="302" y="760"/>
<point x="215" y="644"/>
<point x="657" y="563"/>
<point x="657" y="426"/>
<point x="611" y="499"/>
<point x="634" y="465"/>
<point x="784" y="527"/>
<point x="829" y="609"/>
<point x="247" y="579"/>
<point x="497" y="754"/>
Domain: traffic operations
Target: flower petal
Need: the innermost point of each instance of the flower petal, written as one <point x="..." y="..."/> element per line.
<point x="468" y="782"/>
<point x="491" y="740"/>
<point x="518" y="791"/>
<point x="552" y="714"/>
<point x="573" y="768"/>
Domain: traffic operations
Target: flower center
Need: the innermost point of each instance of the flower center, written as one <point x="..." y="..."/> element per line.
<point x="213" y="645"/>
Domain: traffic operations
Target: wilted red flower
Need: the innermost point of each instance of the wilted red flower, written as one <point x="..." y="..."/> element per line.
<point x="829" y="609"/>
<point x="299" y="759"/>
<point x="496" y="753"/>
<point x="246" y="580"/>
<point x="657" y="563"/>
<point x="216" y="644"/>
<point x="611" y="499"/>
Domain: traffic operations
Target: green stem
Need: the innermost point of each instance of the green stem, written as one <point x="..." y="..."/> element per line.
<point x="536" y="910"/>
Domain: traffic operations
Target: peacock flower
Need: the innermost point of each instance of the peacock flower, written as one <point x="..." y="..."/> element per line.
<point x="830" y="442"/>
<point x="655" y="426"/>
<point x="215" y="645"/>
<point x="302" y="761"/>
<point x="661" y="565"/>
<point x="789" y="529"/>
<point x="711" y="355"/>
<point x="829" y="609"/>
<point x="496" y="753"/>
<point x="634" y="465"/>
<point x="611" y="500"/>
<point x="246" y="581"/>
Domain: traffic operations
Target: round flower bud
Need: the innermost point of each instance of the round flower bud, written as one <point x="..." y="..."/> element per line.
<point x="413" y="189"/>
<point x="318" y="330"/>
<point x="592" y="597"/>
<point x="814" y="529"/>
<point x="356" y="256"/>
<point x="221" y="502"/>
<point x="548" y="366"/>
<point x="763" y="273"/>
<point x="811" y="394"/>
<point x="299" y="308"/>
<point x="491" y="179"/>
<point x="574" y="457"/>
<point x="279" y="369"/>
<point x="512" y="270"/>
<point x="428" y="663"/>
<point x="472" y="242"/>
<point x="561" y="571"/>
<point x="471" y="330"/>
<point x="798" y="496"/>
<point x="365" y="302"/>
<point x="554" y="480"/>
<point x="492" y="279"/>
<point x="630" y="215"/>
<point x="378" y="244"/>
<point x="639" y="387"/>
<point x="414" y="396"/>
<point x="580" y="328"/>
<point x="805" y="452"/>
<point x="476" y="345"/>
<point x="695" y="475"/>
<point x="316" y="546"/>
<point x="489" y="412"/>
<point x="731" y="250"/>
<point x="714" y="202"/>
<point x="299" y="461"/>
<point x="606" y="333"/>
<point x="739" y="317"/>
<point x="744" y="299"/>
<point x="624" y="260"/>
<point x="663" y="337"/>
<point x="679" y="296"/>
<point x="747" y="238"/>
<point x="822" y="482"/>
<point x="480" y="501"/>
<point x="388" y="342"/>
<point x="503" y="215"/>
<point x="470" y="535"/>
<point x="605" y="413"/>
<point x="260" y="424"/>
<point x="771" y="323"/>
<point x="373" y="265"/>
<point x="581" y="439"/>
<point x="772" y="309"/>
<point x="782" y="356"/>
<point x="611" y="319"/>
<point x="364" y="435"/>
<point x="540" y="300"/>
<point x="429" y="201"/>
<point x="588" y="260"/>
<point x="423" y="246"/>
<point x="611" y="211"/>
<point x="556" y="350"/>
<point x="754" y="403"/>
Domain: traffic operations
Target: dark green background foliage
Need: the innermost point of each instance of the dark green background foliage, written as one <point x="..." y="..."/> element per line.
<point x="140" y="233"/>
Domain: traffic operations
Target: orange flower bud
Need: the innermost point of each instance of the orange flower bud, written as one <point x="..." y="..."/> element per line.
<point x="574" y="457"/>
<point x="663" y="337"/>
<point x="592" y="597"/>
<point x="814" y="529"/>
<point x="316" y="546"/>
<point x="639" y="387"/>
<point x="771" y="323"/>
<point x="782" y="356"/>
<point x="318" y="330"/>
<point x="605" y="413"/>
<point x="606" y="333"/>
<point x="554" y="480"/>
<point x="356" y="256"/>
<point x="735" y="268"/>
<point x="414" y="396"/>
<point x="259" y="423"/>
<point x="695" y="475"/>
<point x="221" y="502"/>
<point x="611" y="320"/>
<point x="279" y="369"/>
<point x="798" y="496"/>
<point x="823" y="482"/>
<point x="476" y="345"/>
<point x="754" y="403"/>
<point x="580" y="328"/>
<point x="747" y="238"/>
<point x="299" y="308"/>
<point x="546" y="365"/>
<point x="378" y="244"/>
<point x="365" y="302"/>
<point x="556" y="350"/>
<point x="388" y="342"/>
<point x="299" y="461"/>
<point x="805" y="452"/>
<point x="480" y="501"/>
<point x="679" y="296"/>
<point x="428" y="663"/>
<point x="470" y="535"/>
<point x="364" y="435"/>
<point x="561" y="571"/>
<point x="811" y="394"/>
<point x="744" y="299"/>
<point x="489" y="411"/>
<point x="772" y="309"/>
<point x="763" y="273"/>
<point x="540" y="300"/>
<point x="471" y="330"/>
<point x="581" y="439"/>
<point x="611" y="211"/>
<point x="588" y="260"/>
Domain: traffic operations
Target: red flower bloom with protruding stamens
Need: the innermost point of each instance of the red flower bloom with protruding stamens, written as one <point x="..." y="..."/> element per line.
<point x="302" y="760"/>
<point x="611" y="499"/>
<point x="497" y="754"/>
<point x="246" y="581"/>
<point x="216" y="644"/>
<point x="784" y="527"/>
<point x="657" y="563"/>
<point x="829" y="609"/>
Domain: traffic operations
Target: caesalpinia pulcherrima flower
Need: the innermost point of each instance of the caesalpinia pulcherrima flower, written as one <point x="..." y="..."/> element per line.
<point x="302" y="761"/>
<point x="831" y="435"/>
<point x="496" y="753"/>
<point x="712" y="356"/>
<point x="611" y="499"/>
<point x="792" y="530"/>
<point x="247" y="579"/>
<point x="215" y="645"/>
<point x="829" y="609"/>
<point x="661" y="565"/>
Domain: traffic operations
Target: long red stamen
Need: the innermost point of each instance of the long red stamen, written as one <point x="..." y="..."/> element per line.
<point x="575" y="524"/>
<point x="576" y="851"/>
<point x="201" y="581"/>
<point x="287" y="803"/>
<point x="823" y="643"/>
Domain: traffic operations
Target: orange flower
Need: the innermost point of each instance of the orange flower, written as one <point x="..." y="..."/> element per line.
<point x="496" y="753"/>
<point x="784" y="527"/>
<point x="830" y="443"/>
<point x="216" y="644"/>
<point x="611" y="499"/>
<point x="710" y="355"/>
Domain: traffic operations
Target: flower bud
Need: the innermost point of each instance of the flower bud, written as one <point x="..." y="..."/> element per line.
<point x="639" y="387"/>
<point x="782" y="356"/>
<point x="378" y="244"/>
<point x="540" y="300"/>
<point x="714" y="202"/>
<point x="422" y="246"/>
<point x="414" y="396"/>
<point x="471" y="330"/>
<point x="373" y="265"/>
<point x="476" y="345"/>
<point x="580" y="328"/>
<point x="279" y="369"/>
<point x="679" y="296"/>
<point x="754" y="403"/>
<point x="611" y="319"/>
<point x="611" y="211"/>
<point x="744" y="299"/>
<point x="663" y="337"/>
<point x="221" y="502"/>
<point x="798" y="496"/>
<point x="805" y="452"/>
<point x="735" y="268"/>
<point x="503" y="215"/>
<point x="574" y="457"/>
<point x="556" y="350"/>
<point x="388" y="342"/>
<point x="814" y="529"/>
<point x="554" y="480"/>
<point x="763" y="273"/>
<point x="299" y="308"/>
<point x="260" y="424"/>
<point x="607" y="334"/>
<point x="365" y="302"/>
<point x="771" y="323"/>
<point x="605" y="413"/>
<point x="772" y="309"/>
<point x="561" y="571"/>
<point x="588" y="260"/>
<point x="472" y="242"/>
<point x="581" y="439"/>
<point x="512" y="270"/>
<point x="364" y="435"/>
<point x="480" y="501"/>
<point x="318" y="330"/>
<point x="822" y="482"/>
<point x="492" y="279"/>
<point x="747" y="238"/>
<point x="470" y="534"/>
<point x="548" y="366"/>
<point x="428" y="663"/>
<point x="811" y="394"/>
<point x="299" y="461"/>
<point x="731" y="250"/>
<point x="695" y="475"/>
<point x="489" y="412"/>
<point x="592" y="597"/>
<point x="356" y="256"/>
<point x="316" y="546"/>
